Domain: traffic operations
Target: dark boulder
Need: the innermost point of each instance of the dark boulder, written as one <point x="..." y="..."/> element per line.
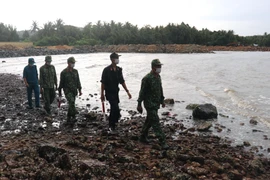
<point x="205" y="111"/>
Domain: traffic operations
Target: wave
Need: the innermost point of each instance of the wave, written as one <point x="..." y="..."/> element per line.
<point x="92" y="66"/>
<point x="236" y="104"/>
<point x="238" y="101"/>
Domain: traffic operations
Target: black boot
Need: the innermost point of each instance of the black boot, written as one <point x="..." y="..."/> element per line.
<point x="144" y="139"/>
<point x="164" y="146"/>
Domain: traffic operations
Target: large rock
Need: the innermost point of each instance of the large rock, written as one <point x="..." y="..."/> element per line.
<point x="205" y="111"/>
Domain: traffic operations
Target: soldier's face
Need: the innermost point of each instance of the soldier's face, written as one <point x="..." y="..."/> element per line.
<point x="157" y="69"/>
<point x="72" y="65"/>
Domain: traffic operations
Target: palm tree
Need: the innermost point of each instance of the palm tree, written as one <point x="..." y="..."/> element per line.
<point x="34" y="27"/>
<point x="59" y="24"/>
<point x="48" y="29"/>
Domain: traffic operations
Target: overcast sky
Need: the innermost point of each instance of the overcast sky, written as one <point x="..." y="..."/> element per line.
<point x="244" y="17"/>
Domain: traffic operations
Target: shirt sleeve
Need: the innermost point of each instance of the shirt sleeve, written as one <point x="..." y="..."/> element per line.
<point x="103" y="77"/>
<point x="55" y="77"/>
<point x="162" y="96"/>
<point x="120" y="76"/>
<point x="36" y="73"/>
<point x="24" y="73"/>
<point x="142" y="92"/>
<point x="41" y="77"/>
<point x="79" y="86"/>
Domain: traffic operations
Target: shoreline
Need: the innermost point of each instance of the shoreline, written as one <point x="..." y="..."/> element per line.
<point x="10" y="50"/>
<point x="88" y="150"/>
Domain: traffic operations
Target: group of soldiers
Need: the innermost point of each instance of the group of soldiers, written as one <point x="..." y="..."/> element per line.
<point x="151" y="92"/>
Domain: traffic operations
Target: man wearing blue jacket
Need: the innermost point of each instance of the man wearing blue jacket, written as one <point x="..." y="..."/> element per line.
<point x="30" y="77"/>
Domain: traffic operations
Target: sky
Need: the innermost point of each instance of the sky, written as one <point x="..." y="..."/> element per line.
<point x="244" y="17"/>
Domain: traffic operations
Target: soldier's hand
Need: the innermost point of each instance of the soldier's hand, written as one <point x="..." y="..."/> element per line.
<point x="102" y="97"/>
<point x="80" y="93"/>
<point x="129" y="95"/>
<point x="140" y="109"/>
<point x="41" y="90"/>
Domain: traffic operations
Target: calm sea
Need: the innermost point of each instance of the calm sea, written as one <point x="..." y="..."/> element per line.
<point x="237" y="83"/>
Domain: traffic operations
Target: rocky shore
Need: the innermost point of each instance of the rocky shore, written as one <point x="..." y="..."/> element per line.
<point x="36" y="146"/>
<point x="13" y="51"/>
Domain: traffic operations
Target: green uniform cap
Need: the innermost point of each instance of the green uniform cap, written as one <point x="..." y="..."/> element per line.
<point x="156" y="62"/>
<point x="48" y="58"/>
<point x="71" y="60"/>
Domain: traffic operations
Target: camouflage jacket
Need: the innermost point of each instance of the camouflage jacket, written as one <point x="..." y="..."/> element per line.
<point x="151" y="92"/>
<point x="70" y="81"/>
<point x="47" y="78"/>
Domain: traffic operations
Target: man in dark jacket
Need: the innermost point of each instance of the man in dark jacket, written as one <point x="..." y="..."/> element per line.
<point x="111" y="77"/>
<point x="30" y="77"/>
<point x="151" y="94"/>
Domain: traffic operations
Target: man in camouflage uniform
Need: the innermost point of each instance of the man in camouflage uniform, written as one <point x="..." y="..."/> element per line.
<point x="151" y="94"/>
<point x="70" y="82"/>
<point x="48" y="83"/>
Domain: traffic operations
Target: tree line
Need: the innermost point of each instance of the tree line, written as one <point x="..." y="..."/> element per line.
<point x="114" y="33"/>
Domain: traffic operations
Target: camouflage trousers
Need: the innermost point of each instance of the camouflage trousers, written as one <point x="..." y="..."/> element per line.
<point x="152" y="120"/>
<point x="71" y="104"/>
<point x="49" y="96"/>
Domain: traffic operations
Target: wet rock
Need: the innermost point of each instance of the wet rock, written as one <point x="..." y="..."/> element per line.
<point x="91" y="115"/>
<point x="95" y="108"/>
<point x="195" y="170"/>
<point x="253" y="121"/>
<point x="63" y="161"/>
<point x="222" y="115"/>
<point x="246" y="143"/>
<point x="93" y="166"/>
<point x="49" y="152"/>
<point x="192" y="106"/>
<point x="205" y="111"/>
<point x="235" y="174"/>
<point x="167" y="113"/>
<point x="169" y="101"/>
<point x="204" y="126"/>
<point x="124" y="159"/>
<point x="132" y="113"/>
<point x="256" y="130"/>
<point x="256" y="166"/>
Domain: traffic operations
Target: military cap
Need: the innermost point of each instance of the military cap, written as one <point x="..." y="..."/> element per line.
<point x="48" y="58"/>
<point x="114" y="55"/>
<point x="71" y="60"/>
<point x="156" y="62"/>
<point x="31" y="61"/>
